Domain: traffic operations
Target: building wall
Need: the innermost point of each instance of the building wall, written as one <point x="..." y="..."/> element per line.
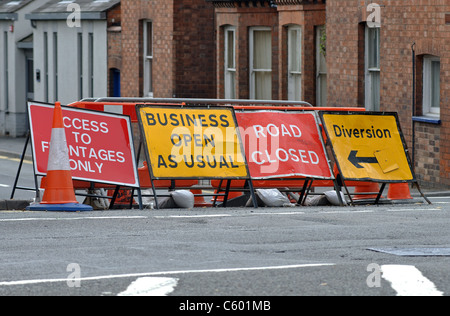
<point x="183" y="48"/>
<point x="402" y="24"/>
<point x="243" y="18"/>
<point x="13" y="119"/>
<point x="307" y="16"/>
<point x="68" y="78"/>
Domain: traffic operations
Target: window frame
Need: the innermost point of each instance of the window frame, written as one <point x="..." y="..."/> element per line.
<point x="372" y="72"/>
<point x="148" y="59"/>
<point x="253" y="71"/>
<point x="428" y="108"/>
<point x="295" y="58"/>
<point x="230" y="71"/>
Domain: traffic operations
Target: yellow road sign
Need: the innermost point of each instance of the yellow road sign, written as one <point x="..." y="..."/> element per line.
<point x="193" y="143"/>
<point x="368" y="146"/>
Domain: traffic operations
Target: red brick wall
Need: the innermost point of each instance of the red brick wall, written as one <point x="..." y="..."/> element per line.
<point x="402" y="24"/>
<point x="307" y="16"/>
<point x="161" y="13"/>
<point x="194" y="49"/>
<point x="183" y="57"/>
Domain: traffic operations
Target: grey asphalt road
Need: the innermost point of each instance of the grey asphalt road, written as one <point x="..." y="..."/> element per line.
<point x="226" y="252"/>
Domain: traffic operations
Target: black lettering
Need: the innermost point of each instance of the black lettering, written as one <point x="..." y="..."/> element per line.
<point x="165" y="119"/>
<point x="161" y="162"/>
<point x="191" y="164"/>
<point x="224" y="120"/>
<point x="190" y="120"/>
<point x="337" y="131"/>
<point x="201" y="163"/>
<point x="232" y="163"/>
<point x="173" y="163"/>
<point x="387" y="133"/>
<point x="369" y="133"/>
<point x="209" y="141"/>
<point x="174" y="119"/>
<point x="209" y="162"/>
<point x="198" y="140"/>
<point x="176" y="140"/>
<point x="213" y="120"/>
<point x="223" y="162"/>
<point x="150" y="119"/>
<point x="201" y="117"/>
<point x="187" y="139"/>
<point x="379" y="133"/>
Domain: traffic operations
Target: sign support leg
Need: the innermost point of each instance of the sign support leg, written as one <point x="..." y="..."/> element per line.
<point x="19" y="170"/>
<point x="380" y="193"/>
<point x="421" y="193"/>
<point x="227" y="192"/>
<point x="252" y="193"/>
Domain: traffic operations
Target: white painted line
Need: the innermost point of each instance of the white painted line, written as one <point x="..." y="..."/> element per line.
<point x="150" y="287"/>
<point x="192" y="216"/>
<point x="409" y="281"/>
<point x="137" y="275"/>
<point x="70" y="219"/>
<point x="413" y="209"/>
<point x="4" y="185"/>
<point x="279" y="213"/>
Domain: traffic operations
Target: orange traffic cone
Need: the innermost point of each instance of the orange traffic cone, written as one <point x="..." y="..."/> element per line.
<point x="59" y="192"/>
<point x="366" y="187"/>
<point x="199" y="201"/>
<point x="399" y="191"/>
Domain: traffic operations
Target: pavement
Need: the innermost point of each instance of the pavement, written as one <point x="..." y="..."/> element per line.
<point x="13" y="148"/>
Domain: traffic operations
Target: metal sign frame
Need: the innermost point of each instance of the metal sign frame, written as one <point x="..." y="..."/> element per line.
<point x="212" y="177"/>
<point x="367" y="160"/>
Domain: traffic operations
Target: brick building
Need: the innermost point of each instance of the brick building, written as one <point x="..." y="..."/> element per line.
<point x="167" y="48"/>
<point x="270" y="50"/>
<point x="369" y="57"/>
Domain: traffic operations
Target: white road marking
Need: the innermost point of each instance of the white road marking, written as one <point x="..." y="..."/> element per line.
<point x="409" y="281"/>
<point x="149" y="274"/>
<point x="4" y="185"/>
<point x="70" y="219"/>
<point x="151" y="287"/>
<point x="192" y="216"/>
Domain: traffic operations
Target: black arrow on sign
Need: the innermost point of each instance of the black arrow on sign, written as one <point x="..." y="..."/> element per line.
<point x="356" y="161"/>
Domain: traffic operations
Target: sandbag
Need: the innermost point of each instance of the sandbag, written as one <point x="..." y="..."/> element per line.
<point x="183" y="198"/>
<point x="272" y="197"/>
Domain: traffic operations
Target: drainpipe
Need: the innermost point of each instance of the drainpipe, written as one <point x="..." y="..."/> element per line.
<point x="413" y="105"/>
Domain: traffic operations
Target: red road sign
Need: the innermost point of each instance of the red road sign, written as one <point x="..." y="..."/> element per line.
<point x="100" y="144"/>
<point x="283" y="144"/>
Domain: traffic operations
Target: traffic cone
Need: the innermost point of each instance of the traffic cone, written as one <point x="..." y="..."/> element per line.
<point x="399" y="191"/>
<point x="366" y="187"/>
<point x="59" y="192"/>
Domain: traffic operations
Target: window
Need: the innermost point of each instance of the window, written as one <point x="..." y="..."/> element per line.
<point x="148" y="59"/>
<point x="321" y="70"/>
<point x="91" y="64"/>
<point x="230" y="63"/>
<point x="55" y="64"/>
<point x="80" y="66"/>
<point x="372" y="57"/>
<point x="6" y="74"/>
<point x="260" y="63"/>
<point x="46" y="88"/>
<point x="431" y="85"/>
<point x="294" y="63"/>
